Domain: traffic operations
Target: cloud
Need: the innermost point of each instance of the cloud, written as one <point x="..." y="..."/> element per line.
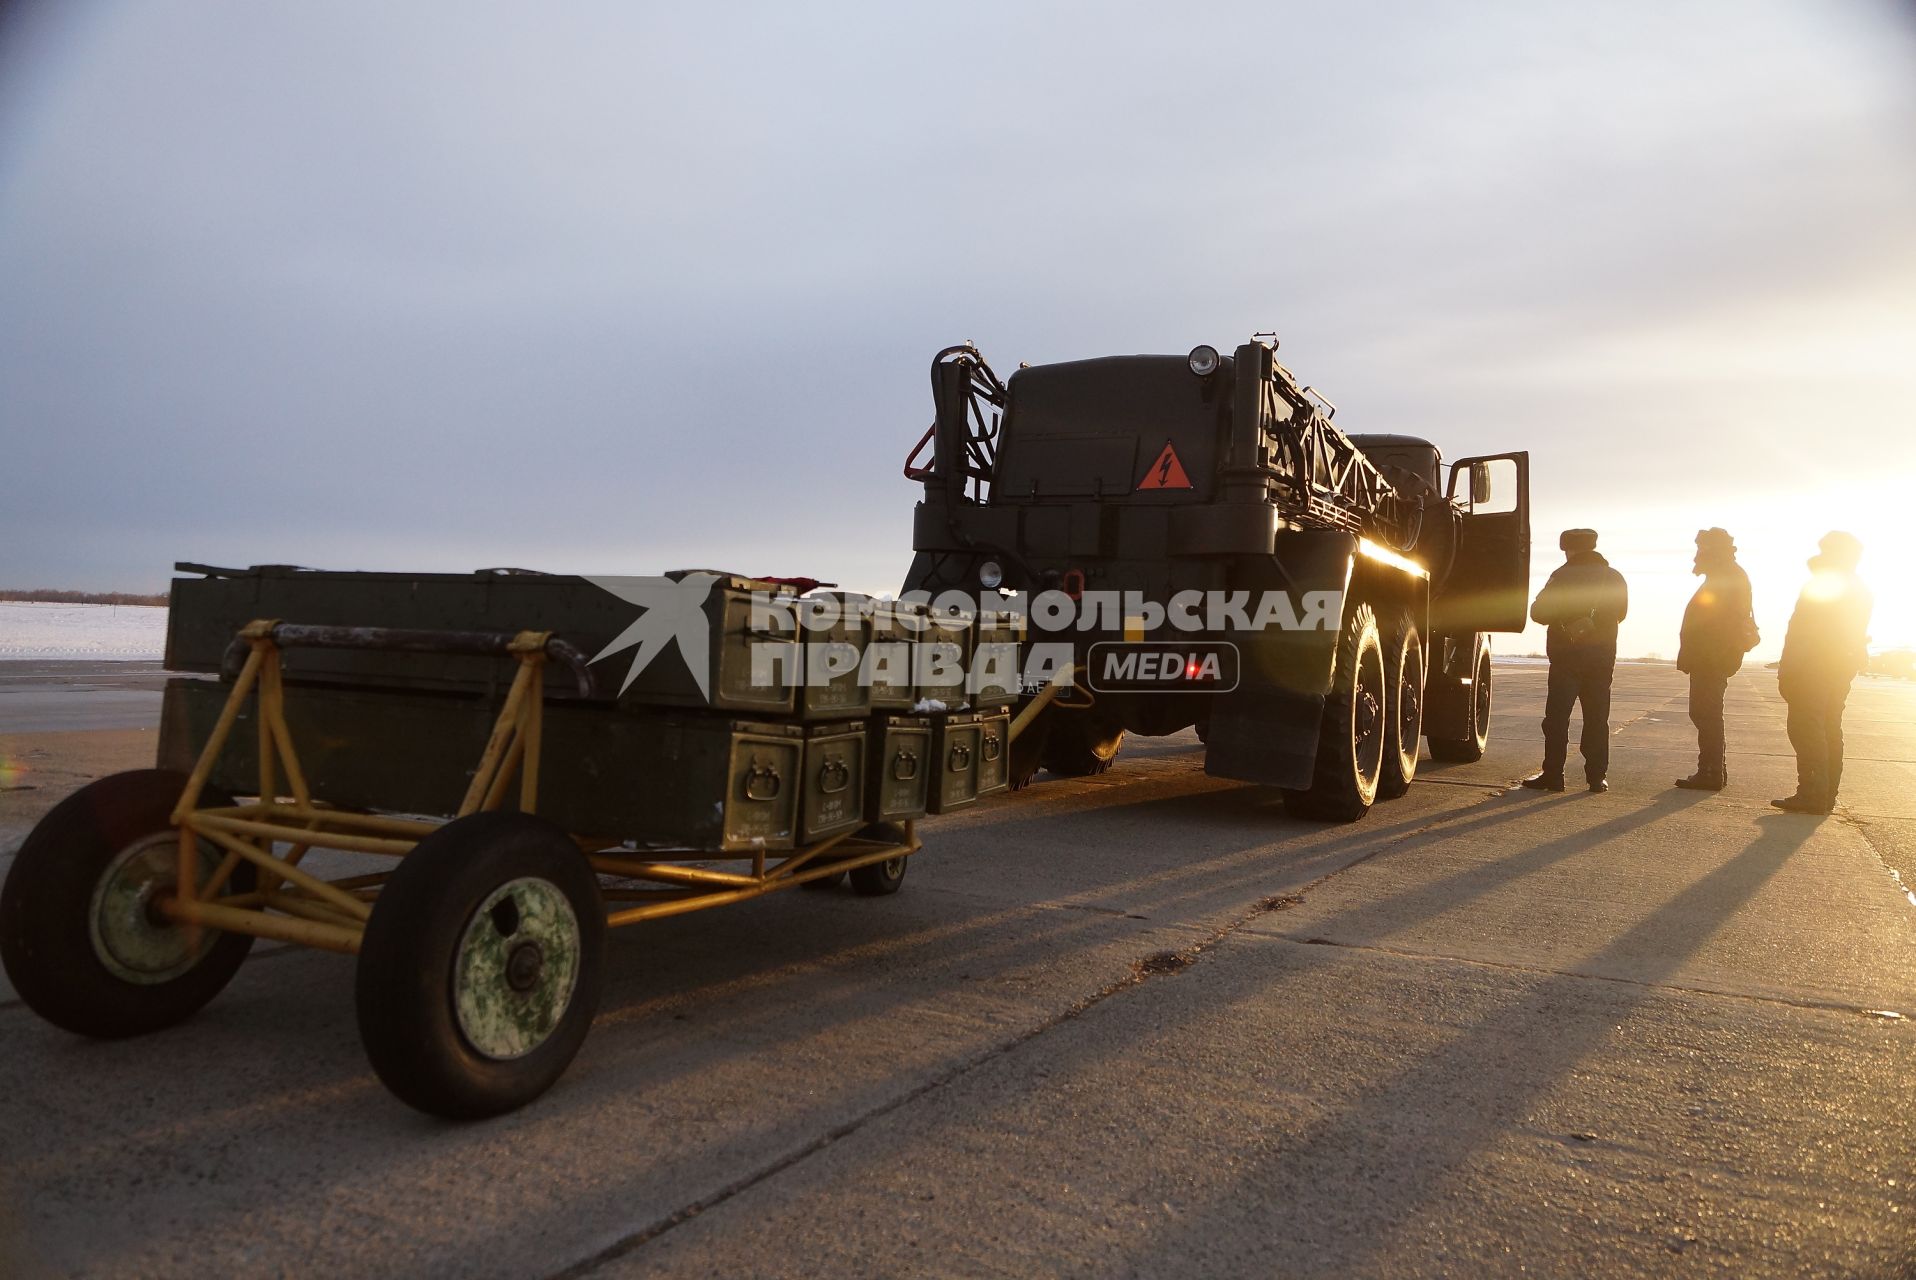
<point x="618" y="288"/>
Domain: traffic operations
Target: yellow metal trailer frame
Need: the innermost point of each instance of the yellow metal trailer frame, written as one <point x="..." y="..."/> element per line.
<point x="290" y="904"/>
<point x="478" y="941"/>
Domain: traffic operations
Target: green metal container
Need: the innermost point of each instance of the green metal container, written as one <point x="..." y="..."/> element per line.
<point x="207" y="611"/>
<point x="957" y="747"/>
<point x="943" y="658"/>
<point x="897" y="768"/>
<point x="832" y="796"/>
<point x="749" y="661"/>
<point x="834" y="687"/>
<point x="690" y="782"/>
<point x="994" y="668"/>
<point x="709" y="783"/>
<point x="994" y="751"/>
<point x="893" y="654"/>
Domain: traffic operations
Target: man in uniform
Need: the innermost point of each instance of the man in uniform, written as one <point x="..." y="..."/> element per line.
<point x="1582" y="604"/>
<point x="1827" y="644"/>
<point x="1719" y="627"/>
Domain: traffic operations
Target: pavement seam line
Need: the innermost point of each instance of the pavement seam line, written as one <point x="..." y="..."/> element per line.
<point x="1143" y="970"/>
<point x="1864" y="829"/>
<point x="1815" y="1006"/>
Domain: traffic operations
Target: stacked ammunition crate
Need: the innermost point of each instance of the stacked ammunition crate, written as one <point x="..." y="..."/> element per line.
<point x="817" y="716"/>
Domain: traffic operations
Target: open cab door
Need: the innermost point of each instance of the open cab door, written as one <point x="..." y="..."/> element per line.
<point x="1488" y="588"/>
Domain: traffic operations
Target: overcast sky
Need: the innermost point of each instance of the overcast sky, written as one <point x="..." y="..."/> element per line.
<point x="623" y="287"/>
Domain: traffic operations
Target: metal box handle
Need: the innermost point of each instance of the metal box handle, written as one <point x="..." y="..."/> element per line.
<point x="762" y="781"/>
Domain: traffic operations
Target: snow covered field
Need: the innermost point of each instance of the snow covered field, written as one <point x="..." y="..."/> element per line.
<point x="96" y="632"/>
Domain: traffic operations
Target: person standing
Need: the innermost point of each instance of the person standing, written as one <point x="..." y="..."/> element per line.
<point x="1719" y="627"/>
<point x="1582" y="604"/>
<point x="1826" y="645"/>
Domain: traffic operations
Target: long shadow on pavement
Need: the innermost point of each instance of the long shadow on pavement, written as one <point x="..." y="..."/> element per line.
<point x="1484" y="1105"/>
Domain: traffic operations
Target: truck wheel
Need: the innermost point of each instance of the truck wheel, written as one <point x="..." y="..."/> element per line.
<point x="1466" y="750"/>
<point x="479" y="973"/>
<point x="1080" y="747"/>
<point x="1404" y="734"/>
<point x="1028" y="749"/>
<point x="80" y="936"/>
<point x="1350" y="746"/>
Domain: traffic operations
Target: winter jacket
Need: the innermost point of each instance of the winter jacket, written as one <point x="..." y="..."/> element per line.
<point x="1582" y="604"/>
<point x="1718" y="624"/>
<point x="1828" y="639"/>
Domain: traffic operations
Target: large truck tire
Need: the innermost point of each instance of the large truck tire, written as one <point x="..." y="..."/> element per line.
<point x="1027" y="750"/>
<point x="1404" y="734"/>
<point x="1080" y="746"/>
<point x="1350" y="745"/>
<point x="1472" y="748"/>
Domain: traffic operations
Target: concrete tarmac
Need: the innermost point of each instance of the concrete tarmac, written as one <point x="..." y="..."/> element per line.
<point x="59" y="697"/>
<point x="1142" y="1024"/>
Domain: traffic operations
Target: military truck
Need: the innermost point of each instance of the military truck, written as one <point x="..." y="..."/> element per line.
<point x="1119" y="483"/>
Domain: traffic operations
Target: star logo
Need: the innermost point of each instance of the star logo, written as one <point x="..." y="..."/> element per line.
<point x="674" y="615"/>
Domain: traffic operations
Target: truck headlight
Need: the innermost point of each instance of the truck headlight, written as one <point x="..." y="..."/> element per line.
<point x="1204" y="361"/>
<point x="990" y="575"/>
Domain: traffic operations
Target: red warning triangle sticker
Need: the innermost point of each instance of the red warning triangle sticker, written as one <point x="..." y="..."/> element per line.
<point x="1166" y="472"/>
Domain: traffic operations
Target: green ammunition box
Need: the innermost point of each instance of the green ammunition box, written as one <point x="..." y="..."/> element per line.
<point x="943" y="657"/>
<point x="594" y="616"/>
<point x="750" y="660"/>
<point x="994" y="751"/>
<point x="723" y="785"/>
<point x="697" y="783"/>
<point x="897" y="766"/>
<point x="957" y="744"/>
<point x="994" y="667"/>
<point x="893" y="654"/>
<point x="836" y="627"/>
<point x="832" y="797"/>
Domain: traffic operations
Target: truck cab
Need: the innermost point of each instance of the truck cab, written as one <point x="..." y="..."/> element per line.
<point x="1143" y="479"/>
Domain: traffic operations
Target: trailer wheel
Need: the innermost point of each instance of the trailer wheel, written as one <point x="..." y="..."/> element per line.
<point x="80" y="935"/>
<point x="1350" y="746"/>
<point x="877" y="879"/>
<point x="1467" y="750"/>
<point x="479" y="973"/>
<point x="1079" y="746"/>
<point x="1405" y="731"/>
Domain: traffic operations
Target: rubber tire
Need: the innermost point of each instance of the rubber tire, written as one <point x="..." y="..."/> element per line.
<point x="1339" y="791"/>
<point x="879" y="879"/>
<point x="1471" y="749"/>
<point x="1400" y="765"/>
<point x="403" y="985"/>
<point x="45" y="934"/>
<point x="1080" y="747"/>
<point x="1027" y="750"/>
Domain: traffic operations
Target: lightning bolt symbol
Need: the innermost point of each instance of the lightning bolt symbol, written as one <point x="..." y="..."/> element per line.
<point x="1164" y="467"/>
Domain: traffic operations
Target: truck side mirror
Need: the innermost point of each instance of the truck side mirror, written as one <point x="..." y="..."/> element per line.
<point x="1479" y="483"/>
